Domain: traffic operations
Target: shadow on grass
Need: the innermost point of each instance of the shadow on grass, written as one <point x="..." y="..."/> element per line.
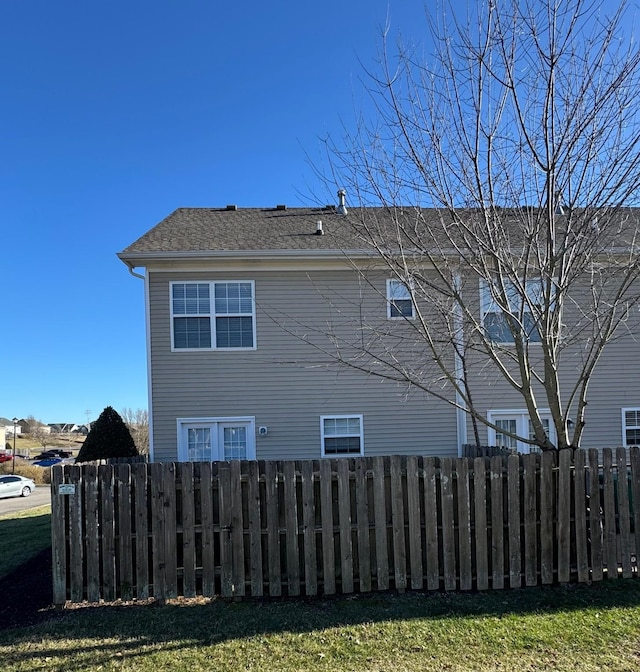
<point x="22" y="537"/>
<point x="105" y="634"/>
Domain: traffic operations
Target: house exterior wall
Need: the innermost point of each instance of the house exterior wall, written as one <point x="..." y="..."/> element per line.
<point x="286" y="384"/>
<point x="615" y="382"/>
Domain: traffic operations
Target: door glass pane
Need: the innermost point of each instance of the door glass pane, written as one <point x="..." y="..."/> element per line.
<point x="234" y="441"/>
<point x="545" y="424"/>
<point x="502" y="440"/>
<point x="199" y="444"/>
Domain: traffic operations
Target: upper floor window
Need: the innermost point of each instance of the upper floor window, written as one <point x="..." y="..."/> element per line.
<point x="631" y="426"/>
<point x="399" y="302"/>
<point x="494" y="319"/>
<point x="342" y="435"/>
<point x="213" y="315"/>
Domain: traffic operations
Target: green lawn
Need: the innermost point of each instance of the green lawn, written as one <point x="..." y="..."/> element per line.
<point x="584" y="628"/>
<point x="23" y="535"/>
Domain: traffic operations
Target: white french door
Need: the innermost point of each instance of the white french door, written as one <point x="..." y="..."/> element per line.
<point x="213" y="439"/>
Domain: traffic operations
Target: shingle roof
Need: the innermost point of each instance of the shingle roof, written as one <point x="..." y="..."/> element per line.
<point x="208" y="229"/>
<point x="213" y="231"/>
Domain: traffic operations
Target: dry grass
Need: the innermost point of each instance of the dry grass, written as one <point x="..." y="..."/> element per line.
<point x="39" y="475"/>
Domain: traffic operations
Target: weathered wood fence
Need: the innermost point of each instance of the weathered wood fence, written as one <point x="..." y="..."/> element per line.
<point x="236" y="529"/>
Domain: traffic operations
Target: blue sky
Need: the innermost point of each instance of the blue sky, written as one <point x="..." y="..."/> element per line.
<point x="113" y="115"/>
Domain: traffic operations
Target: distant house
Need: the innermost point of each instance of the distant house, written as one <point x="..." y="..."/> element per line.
<point x="238" y="302"/>
<point x="8" y="426"/>
<point x="63" y="427"/>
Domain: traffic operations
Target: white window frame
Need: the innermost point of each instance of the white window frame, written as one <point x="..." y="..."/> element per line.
<point x="393" y="285"/>
<point x="625" y="426"/>
<point x="521" y="416"/>
<point x="489" y="306"/>
<point x="216" y="425"/>
<point x="212" y="315"/>
<point x="350" y="416"/>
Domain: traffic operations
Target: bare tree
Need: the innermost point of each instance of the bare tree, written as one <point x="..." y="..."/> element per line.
<point x="505" y="168"/>
<point x="137" y="422"/>
<point x="39" y="431"/>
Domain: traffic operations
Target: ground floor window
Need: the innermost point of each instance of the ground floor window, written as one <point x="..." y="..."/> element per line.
<point x="342" y="435"/>
<point x="212" y="439"/>
<point x="631" y="426"/>
<point x="510" y="422"/>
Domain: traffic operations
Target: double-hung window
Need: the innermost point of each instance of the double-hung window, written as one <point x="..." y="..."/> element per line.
<point x="213" y="315"/>
<point x="494" y="319"/>
<point x="631" y="427"/>
<point x="399" y="301"/>
<point x="341" y="435"/>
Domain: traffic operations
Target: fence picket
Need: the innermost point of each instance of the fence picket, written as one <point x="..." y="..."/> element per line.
<point x="362" y="514"/>
<point x="122" y="474"/>
<point x="184" y="474"/>
<point x="92" y="550"/>
<point x="462" y="494"/>
<point x="273" y="529"/>
<point x="170" y="532"/>
<point x="547" y="511"/>
<point x="255" y="530"/>
<point x="58" y="538"/>
<point x="513" y="499"/>
<point x="413" y="514"/>
<point x="480" y="512"/>
<point x="226" y="525"/>
<point x="497" y="524"/>
<point x="624" y="519"/>
<point x="634" y="457"/>
<point x="564" y="517"/>
<point x="76" y="516"/>
<point x="609" y="507"/>
<point x="380" y="515"/>
<point x="156" y="473"/>
<point x="595" y="517"/>
<point x="237" y="530"/>
<point x="204" y="491"/>
<point x="431" y="523"/>
<point x="580" y="507"/>
<point x="344" y="518"/>
<point x="107" y="533"/>
<point x="398" y="524"/>
<point x="448" y="531"/>
<point x="328" y="542"/>
<point x="141" y="515"/>
<point x="530" y="504"/>
<point x="309" y="527"/>
<point x="292" y="528"/>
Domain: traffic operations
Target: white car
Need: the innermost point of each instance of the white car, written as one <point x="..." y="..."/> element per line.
<point x="16" y="486"/>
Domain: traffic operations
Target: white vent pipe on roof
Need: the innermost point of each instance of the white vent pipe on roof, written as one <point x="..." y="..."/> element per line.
<point x="319" y="230"/>
<point x="342" y="208"/>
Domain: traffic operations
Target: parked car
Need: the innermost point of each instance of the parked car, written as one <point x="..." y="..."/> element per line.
<point x="53" y="452"/>
<point x="16" y="486"/>
<point x="5" y="458"/>
<point x="47" y="462"/>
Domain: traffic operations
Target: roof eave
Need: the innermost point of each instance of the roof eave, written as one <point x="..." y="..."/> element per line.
<point x="141" y="259"/>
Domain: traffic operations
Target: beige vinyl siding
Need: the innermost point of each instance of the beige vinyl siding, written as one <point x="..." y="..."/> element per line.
<point x="286" y="383"/>
<point x="615" y="383"/>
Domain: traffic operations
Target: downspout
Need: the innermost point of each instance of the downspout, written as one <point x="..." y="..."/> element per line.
<point x="148" y="344"/>
<point x="133" y="273"/>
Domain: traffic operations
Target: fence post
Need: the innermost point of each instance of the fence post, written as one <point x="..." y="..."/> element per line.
<point x="58" y="538"/>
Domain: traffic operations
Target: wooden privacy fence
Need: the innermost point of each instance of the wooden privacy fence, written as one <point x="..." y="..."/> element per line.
<point x="236" y="529"/>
